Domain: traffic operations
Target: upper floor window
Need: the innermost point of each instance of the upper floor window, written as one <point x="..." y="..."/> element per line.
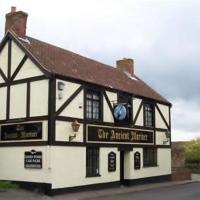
<point x="93" y="105"/>
<point x="148" y="115"/>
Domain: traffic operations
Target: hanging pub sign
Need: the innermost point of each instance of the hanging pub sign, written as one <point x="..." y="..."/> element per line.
<point x="23" y="131"/>
<point x="112" y="162"/>
<point x="137" y="160"/>
<point x="33" y="159"/>
<point x="104" y="134"/>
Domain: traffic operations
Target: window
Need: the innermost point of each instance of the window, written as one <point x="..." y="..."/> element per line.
<point x="92" y="161"/>
<point x="93" y="100"/>
<point x="149" y="157"/>
<point x="148" y="115"/>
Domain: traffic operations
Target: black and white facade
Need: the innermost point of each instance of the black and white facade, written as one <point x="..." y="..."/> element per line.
<point x="66" y="133"/>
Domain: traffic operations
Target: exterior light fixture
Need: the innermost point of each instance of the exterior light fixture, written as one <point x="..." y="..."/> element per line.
<point x="167" y="135"/>
<point x="75" y="128"/>
<point x="61" y="85"/>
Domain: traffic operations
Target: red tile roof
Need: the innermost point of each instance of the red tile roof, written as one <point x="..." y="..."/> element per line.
<point x="63" y="62"/>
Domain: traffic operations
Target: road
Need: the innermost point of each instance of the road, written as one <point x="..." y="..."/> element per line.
<point x="189" y="191"/>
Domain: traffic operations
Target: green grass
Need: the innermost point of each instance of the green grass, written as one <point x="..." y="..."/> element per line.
<point x="7" y="185"/>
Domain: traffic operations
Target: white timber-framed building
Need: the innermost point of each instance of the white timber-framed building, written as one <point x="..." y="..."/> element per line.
<point x="68" y="122"/>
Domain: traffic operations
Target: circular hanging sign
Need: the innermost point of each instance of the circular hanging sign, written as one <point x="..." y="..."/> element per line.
<point x="120" y="112"/>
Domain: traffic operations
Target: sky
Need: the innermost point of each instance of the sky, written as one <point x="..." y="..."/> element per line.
<point x="162" y="36"/>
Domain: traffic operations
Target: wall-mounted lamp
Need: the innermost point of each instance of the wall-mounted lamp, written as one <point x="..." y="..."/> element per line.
<point x="61" y="85"/>
<point x="75" y="128"/>
<point x="167" y="135"/>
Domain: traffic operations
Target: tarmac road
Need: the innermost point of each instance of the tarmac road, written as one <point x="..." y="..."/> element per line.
<point x="190" y="191"/>
<point x="187" y="190"/>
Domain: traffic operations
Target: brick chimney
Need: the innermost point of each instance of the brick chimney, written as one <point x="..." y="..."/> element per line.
<point x="16" y="21"/>
<point x="126" y="65"/>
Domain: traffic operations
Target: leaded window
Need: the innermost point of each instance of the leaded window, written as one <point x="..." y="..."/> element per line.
<point x="149" y="157"/>
<point x="93" y="102"/>
<point x="148" y="115"/>
<point x="92" y="161"/>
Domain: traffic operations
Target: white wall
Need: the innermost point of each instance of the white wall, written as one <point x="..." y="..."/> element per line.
<point x="39" y="98"/>
<point x="161" y="138"/>
<point x="17" y="56"/>
<point x="3" y="97"/>
<point x="28" y="70"/>
<point x="1" y="79"/>
<point x="64" y="130"/>
<point x="18" y="101"/>
<point x="165" y="111"/>
<point x="136" y="104"/>
<point x="107" y="113"/>
<point x="4" y="59"/>
<point x="69" y="167"/>
<point x="75" y="108"/>
<point x="163" y="168"/>
<point x="159" y="123"/>
<point x="12" y="165"/>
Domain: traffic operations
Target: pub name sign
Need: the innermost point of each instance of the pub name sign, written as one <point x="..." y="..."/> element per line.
<point x="118" y="135"/>
<point x="22" y="131"/>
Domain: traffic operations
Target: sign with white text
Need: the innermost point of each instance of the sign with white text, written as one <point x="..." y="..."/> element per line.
<point x="104" y="134"/>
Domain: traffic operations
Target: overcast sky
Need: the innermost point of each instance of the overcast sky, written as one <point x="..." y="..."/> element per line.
<point x="162" y="36"/>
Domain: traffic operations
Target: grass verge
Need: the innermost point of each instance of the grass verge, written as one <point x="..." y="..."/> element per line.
<point x="8" y="185"/>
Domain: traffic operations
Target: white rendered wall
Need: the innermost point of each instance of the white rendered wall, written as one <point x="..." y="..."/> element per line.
<point x="163" y="168"/>
<point x="75" y="108"/>
<point x="64" y="130"/>
<point x="3" y="98"/>
<point x="159" y="123"/>
<point x="44" y="132"/>
<point x="4" y="59"/>
<point x="107" y="113"/>
<point x="1" y="79"/>
<point x="165" y="111"/>
<point x="12" y="165"/>
<point x="18" y="100"/>
<point x="136" y="104"/>
<point x="39" y="91"/>
<point x="28" y="70"/>
<point x="17" y="56"/>
<point x="69" y="167"/>
<point x="69" y="89"/>
<point x="161" y="138"/>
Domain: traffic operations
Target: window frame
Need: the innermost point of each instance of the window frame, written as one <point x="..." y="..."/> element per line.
<point x="146" y="115"/>
<point x="100" y="105"/>
<point x="150" y="160"/>
<point x="92" y="162"/>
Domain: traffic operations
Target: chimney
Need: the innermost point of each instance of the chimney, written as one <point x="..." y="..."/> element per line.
<point x="126" y="65"/>
<point x="16" y="21"/>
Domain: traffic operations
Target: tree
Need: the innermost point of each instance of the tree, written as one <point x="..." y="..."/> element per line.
<point x="192" y="152"/>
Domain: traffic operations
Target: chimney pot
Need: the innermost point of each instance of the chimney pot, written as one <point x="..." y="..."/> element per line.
<point x="126" y="65"/>
<point x="13" y="9"/>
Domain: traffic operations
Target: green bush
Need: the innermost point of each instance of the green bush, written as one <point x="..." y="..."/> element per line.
<point x="192" y="152"/>
<point x="7" y="185"/>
